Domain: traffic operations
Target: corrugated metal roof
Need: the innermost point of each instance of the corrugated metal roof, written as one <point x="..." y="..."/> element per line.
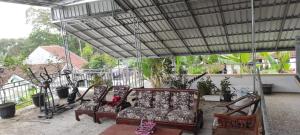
<point x="182" y="27"/>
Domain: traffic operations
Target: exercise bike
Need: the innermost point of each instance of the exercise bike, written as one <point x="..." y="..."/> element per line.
<point x="74" y="84"/>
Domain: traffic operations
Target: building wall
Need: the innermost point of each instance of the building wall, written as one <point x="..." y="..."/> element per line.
<point x="41" y="56"/>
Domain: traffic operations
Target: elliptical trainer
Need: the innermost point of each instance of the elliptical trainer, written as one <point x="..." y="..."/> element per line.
<point x="45" y="93"/>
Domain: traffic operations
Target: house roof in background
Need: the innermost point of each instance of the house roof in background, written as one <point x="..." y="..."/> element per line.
<point x="58" y="51"/>
<point x="36" y="69"/>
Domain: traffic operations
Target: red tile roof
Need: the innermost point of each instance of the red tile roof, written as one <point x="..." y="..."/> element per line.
<point x="77" y="61"/>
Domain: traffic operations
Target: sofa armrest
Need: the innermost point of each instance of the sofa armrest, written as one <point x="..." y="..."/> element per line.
<point x="235" y="122"/>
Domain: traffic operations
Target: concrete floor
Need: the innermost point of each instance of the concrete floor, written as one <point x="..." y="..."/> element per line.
<point x="284" y="113"/>
<point x="283" y="110"/>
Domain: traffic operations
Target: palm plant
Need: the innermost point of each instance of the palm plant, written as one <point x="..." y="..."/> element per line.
<point x="281" y="64"/>
<point x="239" y="58"/>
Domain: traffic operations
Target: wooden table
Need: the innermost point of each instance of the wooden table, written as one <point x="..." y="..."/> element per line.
<point x="122" y="129"/>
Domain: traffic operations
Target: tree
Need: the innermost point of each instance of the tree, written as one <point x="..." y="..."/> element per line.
<point x="87" y="51"/>
<point x="102" y="61"/>
<point x="39" y="19"/>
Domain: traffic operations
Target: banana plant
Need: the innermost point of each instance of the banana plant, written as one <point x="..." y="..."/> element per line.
<point x="280" y="63"/>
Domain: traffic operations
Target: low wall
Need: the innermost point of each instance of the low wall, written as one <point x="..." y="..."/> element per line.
<point x="281" y="82"/>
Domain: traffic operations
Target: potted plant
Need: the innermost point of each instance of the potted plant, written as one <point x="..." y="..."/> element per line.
<point x="267" y="88"/>
<point x="7" y="109"/>
<point x="206" y="88"/>
<point x="62" y="91"/>
<point x="37" y="99"/>
<point x="226" y="90"/>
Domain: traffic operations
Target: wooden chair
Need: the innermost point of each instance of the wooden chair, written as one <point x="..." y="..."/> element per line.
<point x="236" y="121"/>
<point x="109" y="109"/>
<point x="88" y="107"/>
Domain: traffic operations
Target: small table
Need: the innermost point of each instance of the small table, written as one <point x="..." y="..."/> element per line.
<point x="122" y="129"/>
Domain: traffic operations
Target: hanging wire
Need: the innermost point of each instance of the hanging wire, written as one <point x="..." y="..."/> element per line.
<point x="66" y="45"/>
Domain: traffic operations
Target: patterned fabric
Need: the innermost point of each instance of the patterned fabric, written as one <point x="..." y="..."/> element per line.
<point x="162" y="100"/>
<point x="107" y="108"/>
<point x="120" y="90"/>
<point x="155" y="114"/>
<point x="98" y="91"/>
<point x="132" y="113"/>
<point x="88" y="106"/>
<point x="182" y="100"/>
<point x="143" y="99"/>
<point x="181" y="116"/>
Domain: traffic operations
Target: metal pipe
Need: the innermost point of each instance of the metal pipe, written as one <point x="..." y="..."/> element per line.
<point x="253" y="43"/>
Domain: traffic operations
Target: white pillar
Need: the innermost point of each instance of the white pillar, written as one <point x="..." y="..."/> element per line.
<point x="297" y="49"/>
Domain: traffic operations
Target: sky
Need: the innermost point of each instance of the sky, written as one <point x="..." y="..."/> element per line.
<point x="13" y="21"/>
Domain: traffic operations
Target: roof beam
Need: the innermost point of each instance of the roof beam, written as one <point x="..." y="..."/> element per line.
<point x="173" y="27"/>
<point x="132" y="33"/>
<point x="197" y="23"/>
<point x="287" y="7"/>
<point x="224" y="25"/>
<point x="144" y="22"/>
<point x="109" y="40"/>
<point x="99" y="42"/>
<point x="83" y="39"/>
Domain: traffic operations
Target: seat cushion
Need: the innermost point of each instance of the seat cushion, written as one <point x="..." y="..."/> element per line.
<point x="98" y="91"/>
<point x="156" y="114"/>
<point x="132" y="113"/>
<point x="162" y="100"/>
<point x="182" y="100"/>
<point x="88" y="105"/>
<point x="143" y="99"/>
<point x="181" y="116"/>
<point x="107" y="108"/>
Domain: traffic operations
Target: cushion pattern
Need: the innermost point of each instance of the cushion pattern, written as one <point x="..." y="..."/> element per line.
<point x="89" y="105"/>
<point x="107" y="108"/>
<point x="162" y="100"/>
<point x="132" y="113"/>
<point x="182" y="100"/>
<point x="181" y="116"/>
<point x="98" y="91"/>
<point x="120" y="90"/>
<point x="143" y="99"/>
<point x="155" y="114"/>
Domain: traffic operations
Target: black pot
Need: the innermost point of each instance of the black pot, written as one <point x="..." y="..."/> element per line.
<point x="227" y="97"/>
<point x="62" y="92"/>
<point x="36" y="98"/>
<point x="267" y="88"/>
<point x="7" y="110"/>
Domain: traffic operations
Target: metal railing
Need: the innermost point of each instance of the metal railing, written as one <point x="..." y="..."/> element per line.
<point x="265" y="116"/>
<point x="21" y="91"/>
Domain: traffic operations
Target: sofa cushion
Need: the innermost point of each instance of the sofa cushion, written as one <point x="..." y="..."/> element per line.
<point x="162" y="100"/>
<point x="132" y="113"/>
<point x="143" y="99"/>
<point x="182" y="100"/>
<point x="155" y="114"/>
<point x="107" y="108"/>
<point x="88" y="105"/>
<point x="98" y="91"/>
<point x="120" y="90"/>
<point x="181" y="116"/>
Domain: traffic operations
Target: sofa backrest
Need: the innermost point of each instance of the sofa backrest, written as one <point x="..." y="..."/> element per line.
<point x="165" y="98"/>
<point x="120" y="90"/>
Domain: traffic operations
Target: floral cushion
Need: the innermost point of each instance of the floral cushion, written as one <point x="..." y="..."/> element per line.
<point x="98" y="91"/>
<point x="120" y="90"/>
<point x="132" y="113"/>
<point x="181" y="116"/>
<point x="107" y="108"/>
<point x="182" y="100"/>
<point x="143" y="99"/>
<point x="88" y="106"/>
<point x="155" y="114"/>
<point x="162" y="100"/>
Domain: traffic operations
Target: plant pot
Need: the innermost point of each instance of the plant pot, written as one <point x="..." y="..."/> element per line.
<point x="7" y="110"/>
<point x="267" y="88"/>
<point x="36" y="98"/>
<point x="227" y="97"/>
<point x="62" y="92"/>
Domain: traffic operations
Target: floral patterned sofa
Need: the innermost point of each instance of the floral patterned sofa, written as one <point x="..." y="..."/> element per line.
<point x="167" y="107"/>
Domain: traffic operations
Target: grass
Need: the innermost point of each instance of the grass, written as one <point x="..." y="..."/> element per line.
<point x="23" y="104"/>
